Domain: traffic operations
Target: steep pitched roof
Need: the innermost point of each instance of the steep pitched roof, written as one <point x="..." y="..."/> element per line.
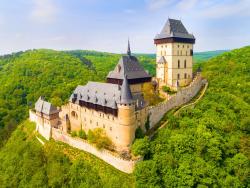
<point x="45" y="107"/>
<point x="103" y="94"/>
<point x="130" y="66"/>
<point x="126" y="95"/>
<point x="162" y="60"/>
<point x="174" y="28"/>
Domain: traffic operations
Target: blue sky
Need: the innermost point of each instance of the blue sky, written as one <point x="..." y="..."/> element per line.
<point x="105" y="25"/>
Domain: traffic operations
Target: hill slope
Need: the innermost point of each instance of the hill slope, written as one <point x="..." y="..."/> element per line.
<point x="26" y="75"/>
<point x="26" y="163"/>
<point x="196" y="148"/>
<point x="208" y="145"/>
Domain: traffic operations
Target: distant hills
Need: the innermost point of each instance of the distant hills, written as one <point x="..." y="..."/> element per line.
<point x="205" y="146"/>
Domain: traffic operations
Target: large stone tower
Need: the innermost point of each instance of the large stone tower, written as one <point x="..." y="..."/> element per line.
<point x="174" y="55"/>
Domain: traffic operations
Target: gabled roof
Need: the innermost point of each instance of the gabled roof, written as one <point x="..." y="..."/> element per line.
<point x="45" y="107"/>
<point x="174" y="29"/>
<point x="162" y="60"/>
<point x="130" y="66"/>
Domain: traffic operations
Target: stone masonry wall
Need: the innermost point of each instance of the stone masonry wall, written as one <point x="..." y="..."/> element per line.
<point x="181" y="97"/>
<point x="121" y="164"/>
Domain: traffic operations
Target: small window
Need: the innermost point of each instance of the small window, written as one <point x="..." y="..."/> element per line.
<point x="187" y="46"/>
<point x="177" y="52"/>
<point x="181" y="52"/>
<point x="110" y="128"/>
<point x="185" y="75"/>
<point x="178" y="76"/>
<point x="191" y="52"/>
<point x="97" y="124"/>
<point x="185" y="63"/>
<point x="178" y="45"/>
<point x="183" y="46"/>
<point x="103" y="126"/>
<point x="178" y="64"/>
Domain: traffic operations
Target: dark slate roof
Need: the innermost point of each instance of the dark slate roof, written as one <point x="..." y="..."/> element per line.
<point x="174" y="29"/>
<point x="130" y="66"/>
<point x="162" y="60"/>
<point x="45" y="107"/>
<point x="104" y="94"/>
<point x="126" y="95"/>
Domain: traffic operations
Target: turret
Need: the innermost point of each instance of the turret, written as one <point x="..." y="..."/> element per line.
<point x="126" y="115"/>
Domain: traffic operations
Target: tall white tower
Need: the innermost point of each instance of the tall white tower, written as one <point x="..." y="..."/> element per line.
<point x="174" y="54"/>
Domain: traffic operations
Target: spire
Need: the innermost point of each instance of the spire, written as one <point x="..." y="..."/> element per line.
<point x="129" y="51"/>
<point x="126" y="95"/>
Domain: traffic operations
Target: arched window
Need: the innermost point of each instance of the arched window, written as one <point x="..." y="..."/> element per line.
<point x="178" y="63"/>
<point x="185" y="63"/>
<point x="74" y="115"/>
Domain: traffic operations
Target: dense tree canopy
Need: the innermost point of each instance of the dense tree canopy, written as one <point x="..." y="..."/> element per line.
<point x="25" y="76"/>
<point x="207" y="145"/>
<point x="204" y="146"/>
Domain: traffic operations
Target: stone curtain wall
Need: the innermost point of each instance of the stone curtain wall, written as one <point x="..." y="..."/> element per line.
<point x="181" y="97"/>
<point x="119" y="163"/>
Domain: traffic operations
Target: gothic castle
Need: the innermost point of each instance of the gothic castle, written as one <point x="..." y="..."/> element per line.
<point x="118" y="106"/>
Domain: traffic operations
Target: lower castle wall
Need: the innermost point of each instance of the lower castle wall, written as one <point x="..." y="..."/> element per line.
<point x="123" y="165"/>
<point x="42" y="126"/>
<point x="180" y="98"/>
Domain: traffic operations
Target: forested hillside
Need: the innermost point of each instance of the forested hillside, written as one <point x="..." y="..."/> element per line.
<point x="208" y="145"/>
<point x="204" y="146"/>
<point x="24" y="76"/>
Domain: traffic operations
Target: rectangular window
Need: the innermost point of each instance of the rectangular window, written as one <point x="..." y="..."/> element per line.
<point x="191" y="52"/>
<point x="178" y="64"/>
<point x="178" y="76"/>
<point x="185" y="75"/>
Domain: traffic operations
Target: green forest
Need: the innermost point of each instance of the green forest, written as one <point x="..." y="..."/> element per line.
<point x="204" y="146"/>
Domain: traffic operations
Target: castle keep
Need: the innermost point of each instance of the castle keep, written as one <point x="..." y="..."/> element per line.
<point x="118" y="106"/>
<point x="174" y="55"/>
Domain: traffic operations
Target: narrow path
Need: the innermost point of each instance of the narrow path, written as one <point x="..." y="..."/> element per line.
<point x="42" y="142"/>
<point x="187" y="105"/>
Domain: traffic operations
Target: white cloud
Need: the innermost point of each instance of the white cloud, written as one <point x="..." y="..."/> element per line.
<point x="158" y="4"/>
<point x="44" y="11"/>
<point x="239" y="8"/>
<point x="187" y="4"/>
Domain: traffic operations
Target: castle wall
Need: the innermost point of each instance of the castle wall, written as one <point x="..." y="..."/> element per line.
<point x="180" y="98"/>
<point x="43" y="126"/>
<point x="121" y="164"/>
<point x="119" y="129"/>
